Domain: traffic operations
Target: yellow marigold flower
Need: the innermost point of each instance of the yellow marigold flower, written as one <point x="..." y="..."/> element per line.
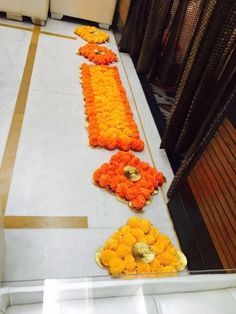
<point x="167" y="269"/>
<point x="106" y="256"/>
<point x="150" y="239"/>
<point x="145" y="225"/>
<point x="117" y="235"/>
<point x="155" y="266"/>
<point x="129" y="264"/>
<point x="117" y="266"/>
<point x="123" y="250"/>
<point x="143" y="239"/>
<point x="171" y="249"/>
<point x="167" y="259"/>
<point x="142" y="268"/>
<point x="137" y="233"/>
<point x="154" y="232"/>
<point x="134" y="222"/>
<point x="125" y="229"/>
<point x="161" y="244"/>
<point x="111" y="244"/>
<point x="129" y="239"/>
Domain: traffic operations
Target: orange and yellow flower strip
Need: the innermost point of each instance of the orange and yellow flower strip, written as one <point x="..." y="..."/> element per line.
<point x="110" y="119"/>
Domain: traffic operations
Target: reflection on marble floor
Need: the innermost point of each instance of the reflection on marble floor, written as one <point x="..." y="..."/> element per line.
<point x="53" y="168"/>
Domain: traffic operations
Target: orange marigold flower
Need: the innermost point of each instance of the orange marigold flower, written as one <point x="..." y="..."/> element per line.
<point x="137" y="145"/>
<point x="110" y="143"/>
<point x="93" y="141"/>
<point x="113" y="184"/>
<point x="104" y="181"/>
<point x="121" y="190"/>
<point x="138" y="202"/>
<point x="146" y="193"/>
<point x="160" y="178"/>
<point x="102" y="140"/>
<point x="132" y="193"/>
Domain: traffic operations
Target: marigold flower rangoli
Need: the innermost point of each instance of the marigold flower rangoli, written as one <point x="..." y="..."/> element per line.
<point x="92" y="34"/>
<point x="110" y="119"/>
<point x="98" y="54"/>
<point x="131" y="179"/>
<point x="138" y="248"/>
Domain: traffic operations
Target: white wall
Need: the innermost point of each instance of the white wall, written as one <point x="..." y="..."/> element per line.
<point x="2" y="245"/>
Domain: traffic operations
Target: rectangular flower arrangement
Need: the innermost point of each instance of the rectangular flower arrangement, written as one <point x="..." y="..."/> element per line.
<point x="110" y="119"/>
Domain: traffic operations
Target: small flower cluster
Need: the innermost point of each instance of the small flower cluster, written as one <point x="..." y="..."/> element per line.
<point x="92" y="34"/>
<point x="98" y="54"/>
<point x="118" y="257"/>
<point x="111" y="122"/>
<point x="111" y="175"/>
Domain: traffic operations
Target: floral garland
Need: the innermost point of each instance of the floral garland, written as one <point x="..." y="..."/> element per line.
<point x="98" y="54"/>
<point x="92" y="34"/>
<point x="131" y="179"/>
<point x="110" y="119"/>
<point x="138" y="248"/>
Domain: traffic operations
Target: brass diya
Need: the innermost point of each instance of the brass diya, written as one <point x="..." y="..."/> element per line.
<point x="143" y="252"/>
<point x="132" y="173"/>
<point x="98" y="52"/>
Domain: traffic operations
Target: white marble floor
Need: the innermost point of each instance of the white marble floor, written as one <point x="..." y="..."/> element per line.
<point x="54" y="165"/>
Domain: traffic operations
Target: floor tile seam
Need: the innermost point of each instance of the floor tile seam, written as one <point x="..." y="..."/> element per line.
<point x="45" y="222"/>
<point x="58" y="35"/>
<point x="14" y="134"/>
<point x="21" y="28"/>
<point x="43" y="32"/>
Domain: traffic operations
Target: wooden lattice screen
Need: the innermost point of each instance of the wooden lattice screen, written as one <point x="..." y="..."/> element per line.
<point x="213" y="183"/>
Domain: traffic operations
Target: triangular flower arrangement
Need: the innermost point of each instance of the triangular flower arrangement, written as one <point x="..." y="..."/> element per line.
<point x="139" y="248"/>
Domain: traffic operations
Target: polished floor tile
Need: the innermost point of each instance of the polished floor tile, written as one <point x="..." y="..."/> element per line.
<point x="45" y="254"/>
<point x="54" y="165"/>
<point x="13" y="53"/>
